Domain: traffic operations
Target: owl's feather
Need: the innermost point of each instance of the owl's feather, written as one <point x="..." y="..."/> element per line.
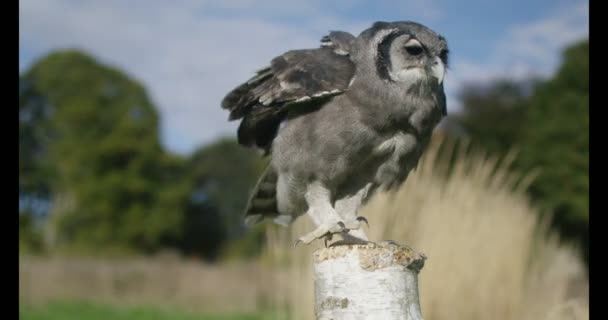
<point x="341" y="42"/>
<point x="298" y="81"/>
<point x="262" y="202"/>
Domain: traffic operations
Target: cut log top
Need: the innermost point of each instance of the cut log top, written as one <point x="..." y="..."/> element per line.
<point x="373" y="256"/>
<point x="367" y="282"/>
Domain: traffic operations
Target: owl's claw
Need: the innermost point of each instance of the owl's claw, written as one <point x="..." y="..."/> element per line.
<point x="327" y="238"/>
<point x="356" y="224"/>
<point x="323" y="231"/>
<point x="362" y="218"/>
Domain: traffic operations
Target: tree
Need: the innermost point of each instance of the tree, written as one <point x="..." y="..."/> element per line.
<point x="90" y="159"/>
<point x="226" y="165"/>
<point x="492" y="114"/>
<point x="96" y="131"/>
<point x="34" y="133"/>
<point x="556" y="140"/>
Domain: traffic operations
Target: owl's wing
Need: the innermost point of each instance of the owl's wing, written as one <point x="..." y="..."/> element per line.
<point x="298" y="79"/>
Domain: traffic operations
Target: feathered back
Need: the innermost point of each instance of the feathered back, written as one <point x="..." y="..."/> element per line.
<point x="297" y="81"/>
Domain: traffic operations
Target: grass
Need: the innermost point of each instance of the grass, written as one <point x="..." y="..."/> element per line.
<point x="72" y="310"/>
<point x="489" y="255"/>
<point x="162" y="280"/>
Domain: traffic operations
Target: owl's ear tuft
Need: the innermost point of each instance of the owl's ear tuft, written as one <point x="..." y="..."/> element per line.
<point x="380" y="24"/>
<point x="341" y="42"/>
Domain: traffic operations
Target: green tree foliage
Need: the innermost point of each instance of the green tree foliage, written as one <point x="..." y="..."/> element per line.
<point x="556" y="141"/>
<point x="95" y="132"/>
<point x="223" y="174"/>
<point x="90" y="160"/>
<point x="491" y="113"/>
<point x="34" y="135"/>
<point x="30" y="237"/>
<point x="226" y="165"/>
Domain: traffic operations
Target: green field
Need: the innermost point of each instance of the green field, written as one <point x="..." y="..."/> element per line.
<point x="90" y="311"/>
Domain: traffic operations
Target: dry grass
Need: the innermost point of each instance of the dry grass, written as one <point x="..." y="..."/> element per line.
<point x="162" y="281"/>
<point x="488" y="255"/>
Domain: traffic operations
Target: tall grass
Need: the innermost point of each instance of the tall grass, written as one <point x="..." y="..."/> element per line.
<point x="489" y="254"/>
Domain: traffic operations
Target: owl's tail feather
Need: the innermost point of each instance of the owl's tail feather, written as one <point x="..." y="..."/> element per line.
<point x="263" y="202"/>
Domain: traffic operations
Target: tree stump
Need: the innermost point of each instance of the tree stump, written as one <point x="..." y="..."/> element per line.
<point x="371" y="281"/>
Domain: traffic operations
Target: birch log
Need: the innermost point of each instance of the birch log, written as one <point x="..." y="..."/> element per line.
<point x="372" y="281"/>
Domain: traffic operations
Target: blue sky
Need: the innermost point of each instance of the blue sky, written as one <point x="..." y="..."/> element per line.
<point x="189" y="54"/>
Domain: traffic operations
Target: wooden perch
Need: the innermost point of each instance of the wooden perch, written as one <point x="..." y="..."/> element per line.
<point x="373" y="281"/>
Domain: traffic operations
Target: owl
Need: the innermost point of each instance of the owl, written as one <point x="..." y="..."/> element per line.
<point x="340" y="122"/>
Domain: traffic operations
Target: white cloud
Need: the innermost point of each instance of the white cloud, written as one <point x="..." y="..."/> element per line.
<point x="532" y="48"/>
<point x="543" y="40"/>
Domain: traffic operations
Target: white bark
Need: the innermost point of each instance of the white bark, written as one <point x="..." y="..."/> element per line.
<point x="373" y="281"/>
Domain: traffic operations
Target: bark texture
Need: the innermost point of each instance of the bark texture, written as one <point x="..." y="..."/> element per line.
<point x="372" y="281"/>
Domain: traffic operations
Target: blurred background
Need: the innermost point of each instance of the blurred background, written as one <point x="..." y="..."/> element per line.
<point x="131" y="184"/>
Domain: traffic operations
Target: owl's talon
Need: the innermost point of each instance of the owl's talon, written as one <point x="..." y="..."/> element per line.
<point x="362" y="218"/>
<point x="355" y="224"/>
<point x="323" y="231"/>
<point x="327" y="238"/>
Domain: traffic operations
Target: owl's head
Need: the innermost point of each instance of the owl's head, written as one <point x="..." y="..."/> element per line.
<point x="402" y="52"/>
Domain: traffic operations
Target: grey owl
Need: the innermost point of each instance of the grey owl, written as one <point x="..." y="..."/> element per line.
<point x="339" y="122"/>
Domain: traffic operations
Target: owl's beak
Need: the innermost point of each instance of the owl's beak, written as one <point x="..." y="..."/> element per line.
<point x="438" y="70"/>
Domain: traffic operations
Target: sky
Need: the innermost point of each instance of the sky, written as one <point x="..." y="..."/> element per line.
<point x="189" y="54"/>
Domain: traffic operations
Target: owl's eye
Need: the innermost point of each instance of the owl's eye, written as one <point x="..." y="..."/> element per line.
<point x="413" y="47"/>
<point x="413" y="50"/>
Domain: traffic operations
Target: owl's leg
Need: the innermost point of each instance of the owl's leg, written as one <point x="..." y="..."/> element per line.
<point x="322" y="214"/>
<point x="347" y="208"/>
